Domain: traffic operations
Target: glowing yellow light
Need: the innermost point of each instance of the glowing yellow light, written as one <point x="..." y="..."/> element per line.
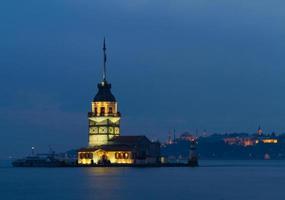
<point x="270" y="141"/>
<point x="87" y="158"/>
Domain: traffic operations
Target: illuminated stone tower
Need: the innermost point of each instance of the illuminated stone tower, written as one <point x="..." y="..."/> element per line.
<point x="104" y="118"/>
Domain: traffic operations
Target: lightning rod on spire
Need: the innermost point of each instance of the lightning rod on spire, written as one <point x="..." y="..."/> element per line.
<point x="105" y="60"/>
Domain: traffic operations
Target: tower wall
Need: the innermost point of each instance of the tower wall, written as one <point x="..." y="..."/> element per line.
<point x="104" y="123"/>
<point x="104" y="118"/>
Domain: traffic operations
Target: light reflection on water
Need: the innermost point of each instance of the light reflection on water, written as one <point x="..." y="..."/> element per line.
<point x="103" y="171"/>
<point x="214" y="180"/>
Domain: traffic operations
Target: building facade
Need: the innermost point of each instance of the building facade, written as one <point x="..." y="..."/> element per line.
<point x="122" y="150"/>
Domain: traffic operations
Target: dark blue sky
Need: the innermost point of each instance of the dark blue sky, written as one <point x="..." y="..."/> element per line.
<point x="189" y="64"/>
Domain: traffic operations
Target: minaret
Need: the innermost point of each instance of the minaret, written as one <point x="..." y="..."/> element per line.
<point x="104" y="118"/>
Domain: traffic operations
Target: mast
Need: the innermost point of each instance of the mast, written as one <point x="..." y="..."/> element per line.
<point x="105" y="60"/>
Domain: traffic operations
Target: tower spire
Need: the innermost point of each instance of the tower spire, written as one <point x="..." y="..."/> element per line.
<point x="105" y="60"/>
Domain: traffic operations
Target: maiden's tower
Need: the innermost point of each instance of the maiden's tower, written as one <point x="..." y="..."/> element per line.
<point x="106" y="145"/>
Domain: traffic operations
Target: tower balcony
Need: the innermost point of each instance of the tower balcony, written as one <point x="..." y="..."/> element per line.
<point x="92" y="114"/>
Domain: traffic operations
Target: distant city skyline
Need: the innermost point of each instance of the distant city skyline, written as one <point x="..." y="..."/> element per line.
<point x="215" y="66"/>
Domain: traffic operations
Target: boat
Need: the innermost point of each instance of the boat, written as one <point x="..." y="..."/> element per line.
<point x="39" y="160"/>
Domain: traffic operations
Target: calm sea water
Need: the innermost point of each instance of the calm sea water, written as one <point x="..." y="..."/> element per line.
<point x="213" y="180"/>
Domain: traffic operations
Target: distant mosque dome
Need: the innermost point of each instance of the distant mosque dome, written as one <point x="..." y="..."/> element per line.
<point x="104" y="93"/>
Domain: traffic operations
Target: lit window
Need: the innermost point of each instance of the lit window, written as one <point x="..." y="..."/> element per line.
<point x="110" y="110"/>
<point x="126" y="155"/>
<point x="120" y="156"/>
<point x="102" y="111"/>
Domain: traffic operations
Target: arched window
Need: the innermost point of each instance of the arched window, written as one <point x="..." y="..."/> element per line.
<point x="110" y="111"/>
<point x="126" y="155"/>
<point x="120" y="155"/>
<point x="102" y="110"/>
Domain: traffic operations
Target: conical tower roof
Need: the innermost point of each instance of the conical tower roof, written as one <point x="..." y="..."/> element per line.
<point x="104" y="93"/>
